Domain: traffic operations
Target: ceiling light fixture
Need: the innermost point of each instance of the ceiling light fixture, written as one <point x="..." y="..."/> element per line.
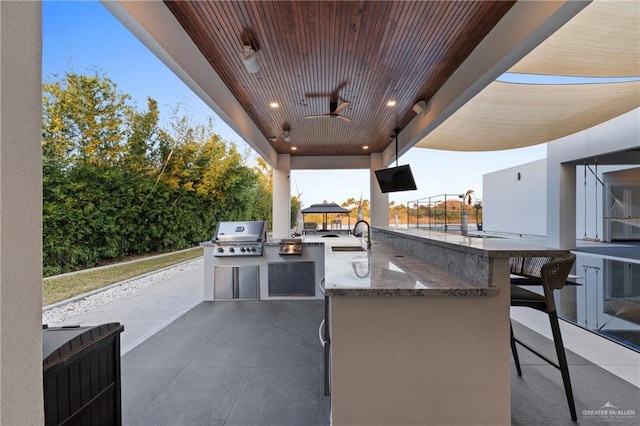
<point x="250" y="60"/>
<point x="293" y="148"/>
<point x="274" y="105"/>
<point x="272" y="139"/>
<point x="365" y="147"/>
<point x="391" y="103"/>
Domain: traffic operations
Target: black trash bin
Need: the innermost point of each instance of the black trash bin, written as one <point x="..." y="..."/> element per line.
<point x="81" y="375"/>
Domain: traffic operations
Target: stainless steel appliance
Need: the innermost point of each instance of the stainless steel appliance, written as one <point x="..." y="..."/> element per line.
<point x="233" y="277"/>
<point x="239" y="238"/>
<point x="236" y="282"/>
<point x="290" y="246"/>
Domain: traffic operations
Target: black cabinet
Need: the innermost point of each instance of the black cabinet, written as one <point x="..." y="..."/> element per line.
<point x="292" y="279"/>
<point x="81" y="375"/>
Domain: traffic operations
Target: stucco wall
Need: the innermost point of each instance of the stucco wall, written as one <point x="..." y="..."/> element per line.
<point x="530" y="206"/>
<point x="516" y="206"/>
<point x="21" y="401"/>
<point x="614" y="136"/>
<point x="618" y="134"/>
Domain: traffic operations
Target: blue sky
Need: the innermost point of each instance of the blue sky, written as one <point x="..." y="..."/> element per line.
<point x="83" y="37"/>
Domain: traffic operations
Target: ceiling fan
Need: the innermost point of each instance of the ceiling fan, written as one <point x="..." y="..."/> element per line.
<point x="334" y="111"/>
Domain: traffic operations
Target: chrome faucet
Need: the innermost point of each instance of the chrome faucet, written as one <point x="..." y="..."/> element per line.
<point x="355" y="227"/>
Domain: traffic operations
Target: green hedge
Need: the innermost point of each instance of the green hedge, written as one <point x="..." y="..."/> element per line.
<point x="115" y="183"/>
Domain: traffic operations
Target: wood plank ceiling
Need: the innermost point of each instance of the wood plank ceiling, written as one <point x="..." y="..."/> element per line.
<point x="309" y="52"/>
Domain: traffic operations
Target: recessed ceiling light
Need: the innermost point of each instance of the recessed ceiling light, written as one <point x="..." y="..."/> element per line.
<point x="365" y="147"/>
<point x="391" y="103"/>
<point x="293" y="148"/>
<point x="274" y="105"/>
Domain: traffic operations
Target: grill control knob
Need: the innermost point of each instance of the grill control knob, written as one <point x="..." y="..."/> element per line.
<point x="231" y="250"/>
<point x="253" y="248"/>
<point x="242" y="249"/>
<point x="220" y="250"/>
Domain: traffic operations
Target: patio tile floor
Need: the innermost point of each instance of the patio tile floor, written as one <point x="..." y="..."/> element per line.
<point x="260" y="363"/>
<point x="231" y="363"/>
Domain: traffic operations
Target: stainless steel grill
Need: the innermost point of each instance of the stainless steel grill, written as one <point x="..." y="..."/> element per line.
<point x="239" y="238"/>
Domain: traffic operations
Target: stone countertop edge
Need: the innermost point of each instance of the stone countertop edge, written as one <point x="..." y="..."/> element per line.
<point x="392" y="272"/>
<point x="510" y="248"/>
<point x="420" y="292"/>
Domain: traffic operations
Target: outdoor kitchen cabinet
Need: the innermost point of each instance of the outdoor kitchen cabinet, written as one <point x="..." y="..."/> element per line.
<point x="292" y="278"/>
<point x="308" y="268"/>
<point x="236" y="282"/>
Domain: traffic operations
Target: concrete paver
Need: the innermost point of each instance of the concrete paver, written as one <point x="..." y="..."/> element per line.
<point x="147" y="311"/>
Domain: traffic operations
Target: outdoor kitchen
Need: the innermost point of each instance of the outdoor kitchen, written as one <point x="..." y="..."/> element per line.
<point x="382" y="291"/>
<point x="240" y="263"/>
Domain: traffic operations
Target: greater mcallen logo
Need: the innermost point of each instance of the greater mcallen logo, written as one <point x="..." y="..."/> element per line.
<point x="610" y="412"/>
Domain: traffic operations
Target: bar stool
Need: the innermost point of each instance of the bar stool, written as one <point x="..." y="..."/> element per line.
<point x="551" y="273"/>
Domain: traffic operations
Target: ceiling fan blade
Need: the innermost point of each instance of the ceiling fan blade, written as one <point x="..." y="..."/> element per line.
<point x="316" y="116"/>
<point x="317" y="95"/>
<point x="343" y="118"/>
<point x="342" y="106"/>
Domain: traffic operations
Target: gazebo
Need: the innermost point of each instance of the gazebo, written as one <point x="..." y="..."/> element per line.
<point x="324" y="209"/>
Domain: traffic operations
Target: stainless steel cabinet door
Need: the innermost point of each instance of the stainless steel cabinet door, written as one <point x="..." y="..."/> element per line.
<point x="235" y="282"/>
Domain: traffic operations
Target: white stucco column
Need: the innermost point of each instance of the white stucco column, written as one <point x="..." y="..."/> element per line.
<point x="379" y="204"/>
<point x="561" y="205"/>
<point x="282" y="198"/>
<point x="21" y="400"/>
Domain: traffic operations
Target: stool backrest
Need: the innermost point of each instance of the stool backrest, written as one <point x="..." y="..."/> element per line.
<point x="551" y="270"/>
<point x="554" y="276"/>
<point x="555" y="272"/>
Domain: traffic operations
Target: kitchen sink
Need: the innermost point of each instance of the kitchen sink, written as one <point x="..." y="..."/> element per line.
<point x="347" y="248"/>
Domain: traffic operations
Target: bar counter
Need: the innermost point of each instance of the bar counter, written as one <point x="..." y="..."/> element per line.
<point x="419" y="328"/>
<point x="386" y="271"/>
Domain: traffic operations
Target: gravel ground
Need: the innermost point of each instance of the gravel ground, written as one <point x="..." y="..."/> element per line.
<point x="63" y="312"/>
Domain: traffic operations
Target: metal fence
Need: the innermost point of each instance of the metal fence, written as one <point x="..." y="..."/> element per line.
<point x="442" y="212"/>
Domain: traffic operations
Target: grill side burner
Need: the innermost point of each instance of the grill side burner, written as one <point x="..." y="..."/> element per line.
<point x="239" y="238"/>
<point x="291" y="246"/>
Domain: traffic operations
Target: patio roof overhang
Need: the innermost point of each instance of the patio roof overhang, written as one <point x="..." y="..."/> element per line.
<point x="442" y="53"/>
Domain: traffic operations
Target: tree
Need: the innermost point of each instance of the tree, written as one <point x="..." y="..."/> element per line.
<point x="142" y="136"/>
<point x="263" y="199"/>
<point x="295" y="205"/>
<point x="116" y="183"/>
<point x="83" y="119"/>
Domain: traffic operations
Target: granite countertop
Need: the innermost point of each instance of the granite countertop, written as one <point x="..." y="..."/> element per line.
<point x="486" y="246"/>
<point x="386" y="271"/>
